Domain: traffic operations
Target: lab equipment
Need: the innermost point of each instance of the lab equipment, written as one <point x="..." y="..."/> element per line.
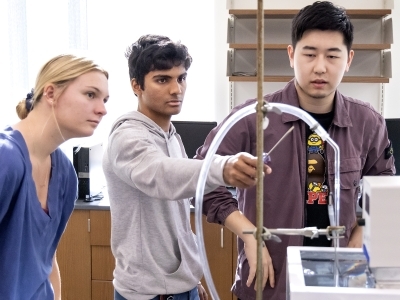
<point x="371" y="272"/>
<point x="87" y="162"/>
<point x="267" y="108"/>
<point x="266" y="156"/>
<point x="381" y="241"/>
<point x="331" y="232"/>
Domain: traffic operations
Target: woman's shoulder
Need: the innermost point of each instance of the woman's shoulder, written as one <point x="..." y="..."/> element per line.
<point x="13" y="157"/>
<point x="12" y="146"/>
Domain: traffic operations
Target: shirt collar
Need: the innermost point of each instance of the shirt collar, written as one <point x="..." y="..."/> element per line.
<point x="341" y="116"/>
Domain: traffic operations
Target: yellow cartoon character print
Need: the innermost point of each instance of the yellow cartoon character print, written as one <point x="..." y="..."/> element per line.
<point x="317" y="187"/>
<point x="315" y="144"/>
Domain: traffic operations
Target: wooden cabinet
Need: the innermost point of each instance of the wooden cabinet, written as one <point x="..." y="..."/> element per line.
<point x="102" y="290"/>
<point x="73" y="255"/>
<point x="86" y="261"/>
<point x="103" y="262"/>
<point x="84" y="257"/>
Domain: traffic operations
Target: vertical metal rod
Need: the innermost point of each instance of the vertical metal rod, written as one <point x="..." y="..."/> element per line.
<point x="260" y="147"/>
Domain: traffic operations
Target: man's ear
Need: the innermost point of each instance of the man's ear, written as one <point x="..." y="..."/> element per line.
<point x="136" y="87"/>
<point x="349" y="60"/>
<point x="290" y="51"/>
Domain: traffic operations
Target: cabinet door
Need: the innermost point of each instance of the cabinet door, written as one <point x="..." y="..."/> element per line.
<point x="73" y="255"/>
<point x="102" y="290"/>
<point x="103" y="262"/>
<point x="234" y="259"/>
<point x="219" y="246"/>
<point x="100" y="227"/>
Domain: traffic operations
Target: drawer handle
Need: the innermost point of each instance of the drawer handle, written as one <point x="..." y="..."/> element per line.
<point x="222" y="237"/>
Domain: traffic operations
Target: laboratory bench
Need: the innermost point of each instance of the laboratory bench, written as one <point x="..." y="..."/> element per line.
<point x="86" y="262"/>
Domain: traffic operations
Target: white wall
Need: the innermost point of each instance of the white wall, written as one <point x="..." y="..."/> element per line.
<point x="201" y="25"/>
<point x="112" y="26"/>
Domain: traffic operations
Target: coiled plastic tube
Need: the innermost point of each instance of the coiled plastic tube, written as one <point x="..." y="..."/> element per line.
<point x="247" y="110"/>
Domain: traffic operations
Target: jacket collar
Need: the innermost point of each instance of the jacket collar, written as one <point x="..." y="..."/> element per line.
<point x="341" y="117"/>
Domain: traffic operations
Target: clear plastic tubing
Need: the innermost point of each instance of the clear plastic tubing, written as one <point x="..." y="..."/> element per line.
<point x="247" y="110"/>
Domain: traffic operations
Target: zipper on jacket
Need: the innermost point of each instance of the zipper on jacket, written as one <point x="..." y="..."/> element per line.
<point x="303" y="139"/>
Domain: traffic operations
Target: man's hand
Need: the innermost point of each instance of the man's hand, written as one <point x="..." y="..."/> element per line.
<point x="240" y="170"/>
<point x="202" y="292"/>
<point x="250" y="249"/>
<point x="356" y="237"/>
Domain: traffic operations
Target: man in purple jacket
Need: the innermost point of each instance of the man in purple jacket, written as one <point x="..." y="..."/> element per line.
<point x="295" y="196"/>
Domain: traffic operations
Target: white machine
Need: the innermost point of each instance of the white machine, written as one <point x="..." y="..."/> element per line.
<point x="381" y="212"/>
<point x="372" y="272"/>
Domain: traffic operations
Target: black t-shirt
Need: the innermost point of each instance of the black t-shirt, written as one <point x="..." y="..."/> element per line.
<point x="317" y="190"/>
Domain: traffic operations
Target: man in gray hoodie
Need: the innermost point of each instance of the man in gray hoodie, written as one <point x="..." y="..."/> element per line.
<point x="150" y="180"/>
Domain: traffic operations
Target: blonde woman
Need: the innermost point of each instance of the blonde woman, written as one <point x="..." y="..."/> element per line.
<point x="38" y="184"/>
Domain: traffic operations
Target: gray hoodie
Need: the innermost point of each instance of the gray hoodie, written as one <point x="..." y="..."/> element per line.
<point x="149" y="181"/>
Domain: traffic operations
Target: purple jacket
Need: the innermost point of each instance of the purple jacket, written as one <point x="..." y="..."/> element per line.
<point x="362" y="137"/>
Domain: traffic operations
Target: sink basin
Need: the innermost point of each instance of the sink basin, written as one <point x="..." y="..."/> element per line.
<point x="318" y="269"/>
<point x="310" y="276"/>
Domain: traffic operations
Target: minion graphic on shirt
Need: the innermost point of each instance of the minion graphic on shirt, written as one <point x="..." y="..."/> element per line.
<point x="317" y="189"/>
<point x="315" y="144"/>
